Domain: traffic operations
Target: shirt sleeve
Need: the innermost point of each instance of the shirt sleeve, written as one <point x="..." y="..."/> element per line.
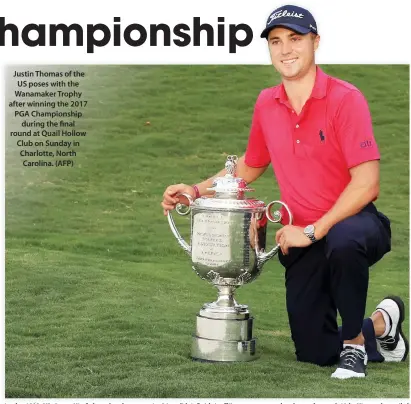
<point x="354" y="130"/>
<point x="257" y="154"/>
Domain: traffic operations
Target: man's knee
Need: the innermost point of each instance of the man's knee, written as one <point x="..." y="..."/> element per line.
<point x="344" y="239"/>
<point x="358" y="237"/>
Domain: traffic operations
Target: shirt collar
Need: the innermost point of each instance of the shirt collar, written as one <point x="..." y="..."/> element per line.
<point x="319" y="90"/>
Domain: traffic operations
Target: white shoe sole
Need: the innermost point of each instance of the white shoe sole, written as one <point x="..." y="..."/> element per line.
<point x="346" y="374"/>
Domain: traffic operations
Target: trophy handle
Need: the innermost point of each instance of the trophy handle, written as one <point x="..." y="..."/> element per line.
<point x="274" y="218"/>
<point x="182" y="210"/>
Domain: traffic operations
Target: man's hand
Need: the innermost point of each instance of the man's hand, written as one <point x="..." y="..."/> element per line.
<point x="291" y="236"/>
<point x="170" y="198"/>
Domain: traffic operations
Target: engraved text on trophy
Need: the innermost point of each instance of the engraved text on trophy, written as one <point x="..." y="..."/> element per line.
<point x="211" y="244"/>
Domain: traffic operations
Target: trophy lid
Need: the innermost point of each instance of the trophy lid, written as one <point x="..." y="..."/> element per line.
<point x="229" y="191"/>
<point x="230" y="186"/>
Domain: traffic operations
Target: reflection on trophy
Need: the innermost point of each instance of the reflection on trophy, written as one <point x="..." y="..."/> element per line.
<point x="228" y="236"/>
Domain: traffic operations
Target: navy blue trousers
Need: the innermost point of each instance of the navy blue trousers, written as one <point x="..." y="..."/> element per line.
<point x="331" y="276"/>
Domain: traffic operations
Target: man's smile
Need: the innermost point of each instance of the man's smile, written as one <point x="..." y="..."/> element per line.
<point x="289" y="61"/>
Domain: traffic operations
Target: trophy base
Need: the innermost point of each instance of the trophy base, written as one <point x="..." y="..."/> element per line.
<point x="224" y="339"/>
<point x="208" y="350"/>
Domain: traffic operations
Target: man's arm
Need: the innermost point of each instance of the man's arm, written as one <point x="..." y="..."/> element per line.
<point x="363" y="188"/>
<point x="247" y="173"/>
<point x="360" y="191"/>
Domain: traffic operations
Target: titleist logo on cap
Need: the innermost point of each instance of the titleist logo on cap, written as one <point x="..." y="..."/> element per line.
<point x="284" y="13"/>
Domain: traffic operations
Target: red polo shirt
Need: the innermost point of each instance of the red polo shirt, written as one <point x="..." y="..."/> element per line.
<point x="312" y="152"/>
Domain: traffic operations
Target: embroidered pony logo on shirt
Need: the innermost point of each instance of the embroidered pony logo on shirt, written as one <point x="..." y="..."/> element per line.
<point x="322" y="136"/>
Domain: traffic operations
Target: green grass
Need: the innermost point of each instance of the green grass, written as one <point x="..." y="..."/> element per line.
<point x="100" y="300"/>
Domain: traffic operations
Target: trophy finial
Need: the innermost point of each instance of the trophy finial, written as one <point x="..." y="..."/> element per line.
<point x="231" y="165"/>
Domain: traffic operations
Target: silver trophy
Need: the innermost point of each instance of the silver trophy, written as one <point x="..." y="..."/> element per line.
<point x="228" y="235"/>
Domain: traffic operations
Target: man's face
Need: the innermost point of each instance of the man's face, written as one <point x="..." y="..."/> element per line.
<point x="292" y="54"/>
